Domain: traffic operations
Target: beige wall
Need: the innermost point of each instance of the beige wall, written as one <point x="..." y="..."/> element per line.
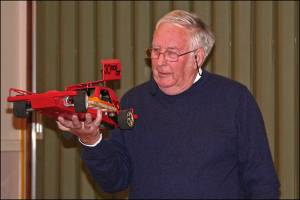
<point x="13" y="74"/>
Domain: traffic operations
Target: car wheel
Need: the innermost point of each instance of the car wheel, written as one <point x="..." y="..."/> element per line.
<point x="20" y="109"/>
<point x="80" y="102"/>
<point x="126" y="119"/>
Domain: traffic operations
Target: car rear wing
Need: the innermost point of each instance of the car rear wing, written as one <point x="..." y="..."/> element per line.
<point x="111" y="70"/>
<point x="17" y="95"/>
<point x="14" y="92"/>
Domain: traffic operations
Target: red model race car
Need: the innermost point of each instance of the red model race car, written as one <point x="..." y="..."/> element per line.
<point x="80" y="98"/>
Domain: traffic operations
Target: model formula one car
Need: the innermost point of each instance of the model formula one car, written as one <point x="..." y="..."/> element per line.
<point x="79" y="99"/>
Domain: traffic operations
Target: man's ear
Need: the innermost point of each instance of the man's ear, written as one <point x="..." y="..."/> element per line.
<point x="199" y="56"/>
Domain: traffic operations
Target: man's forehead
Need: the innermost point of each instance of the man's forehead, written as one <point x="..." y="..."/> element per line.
<point x="170" y="46"/>
<point x="170" y="36"/>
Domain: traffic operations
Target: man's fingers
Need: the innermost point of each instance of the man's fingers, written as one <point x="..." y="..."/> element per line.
<point x="78" y="127"/>
<point x="60" y="118"/>
<point x="76" y="123"/>
<point x="88" y="118"/>
<point x="98" y="119"/>
<point x="88" y="121"/>
<point x="65" y="123"/>
<point x="62" y="127"/>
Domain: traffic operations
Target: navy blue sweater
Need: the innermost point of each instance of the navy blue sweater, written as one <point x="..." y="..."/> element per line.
<point x="207" y="142"/>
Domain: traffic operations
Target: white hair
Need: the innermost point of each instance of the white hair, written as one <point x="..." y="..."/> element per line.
<point x="201" y="34"/>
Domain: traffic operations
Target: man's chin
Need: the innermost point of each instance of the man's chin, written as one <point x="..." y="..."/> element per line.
<point x="164" y="85"/>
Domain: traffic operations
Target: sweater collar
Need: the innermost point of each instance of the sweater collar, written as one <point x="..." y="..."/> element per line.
<point x="154" y="88"/>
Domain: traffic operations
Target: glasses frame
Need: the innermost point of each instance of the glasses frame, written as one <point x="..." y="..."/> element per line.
<point x="178" y="55"/>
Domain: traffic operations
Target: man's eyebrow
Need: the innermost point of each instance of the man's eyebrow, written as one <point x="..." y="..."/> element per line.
<point x="168" y="48"/>
<point x="173" y="48"/>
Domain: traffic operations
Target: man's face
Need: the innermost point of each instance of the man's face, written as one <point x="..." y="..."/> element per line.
<point x="173" y="77"/>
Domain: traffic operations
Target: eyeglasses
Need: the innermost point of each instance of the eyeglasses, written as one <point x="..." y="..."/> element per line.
<point x="169" y="55"/>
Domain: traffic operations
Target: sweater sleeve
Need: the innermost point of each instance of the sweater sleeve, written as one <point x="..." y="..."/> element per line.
<point x="257" y="172"/>
<point x="109" y="162"/>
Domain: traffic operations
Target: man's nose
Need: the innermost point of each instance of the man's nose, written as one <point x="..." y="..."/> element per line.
<point x="161" y="59"/>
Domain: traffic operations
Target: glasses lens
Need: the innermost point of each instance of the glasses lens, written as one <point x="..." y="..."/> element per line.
<point x="171" y="55"/>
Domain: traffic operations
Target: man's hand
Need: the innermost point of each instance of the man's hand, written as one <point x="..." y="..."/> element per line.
<point x="87" y="131"/>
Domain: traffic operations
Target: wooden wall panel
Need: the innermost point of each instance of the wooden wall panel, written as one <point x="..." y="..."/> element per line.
<point x="257" y="44"/>
<point x="242" y="46"/>
<point x="105" y="29"/>
<point x="86" y="39"/>
<point x="69" y="180"/>
<point x="288" y="98"/>
<point x="68" y="43"/>
<point x="124" y="43"/>
<point x="88" y="70"/>
<point x="159" y="9"/>
<point x="222" y="28"/>
<point x="40" y="61"/>
<point x="264" y="76"/>
<point x="204" y="10"/>
<point x="51" y="69"/>
<point x="142" y="40"/>
<point x="183" y="5"/>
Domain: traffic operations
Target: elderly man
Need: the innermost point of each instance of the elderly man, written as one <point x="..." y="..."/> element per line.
<point x="199" y="135"/>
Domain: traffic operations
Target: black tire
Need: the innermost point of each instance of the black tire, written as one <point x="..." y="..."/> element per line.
<point x="126" y="119"/>
<point x="80" y="102"/>
<point x="20" y="109"/>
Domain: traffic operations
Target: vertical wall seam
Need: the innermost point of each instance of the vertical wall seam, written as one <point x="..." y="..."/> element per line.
<point x="151" y="23"/>
<point x="77" y="43"/>
<point x="190" y="6"/>
<point x="41" y="8"/>
<point x="27" y="171"/>
<point x="59" y="85"/>
<point x="113" y="84"/>
<point x="253" y="56"/>
<point x="114" y="13"/>
<point x="212" y="17"/>
<point x="296" y="90"/>
<point x="95" y="47"/>
<point x="151" y="29"/>
<point x="76" y="68"/>
<point x="133" y="49"/>
<point x="230" y="21"/>
<point x="59" y="45"/>
<point x="275" y="55"/>
<point x="274" y="65"/>
<point x="232" y="36"/>
<point x="251" y="44"/>
<point x="209" y="59"/>
<point x="171" y="5"/>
